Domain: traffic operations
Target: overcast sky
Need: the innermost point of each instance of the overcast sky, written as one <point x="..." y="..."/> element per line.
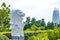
<point x="35" y="8"/>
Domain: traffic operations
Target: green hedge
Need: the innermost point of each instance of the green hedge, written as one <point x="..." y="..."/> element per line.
<point x="48" y="35"/>
<point x="3" y="37"/>
<point x="42" y="34"/>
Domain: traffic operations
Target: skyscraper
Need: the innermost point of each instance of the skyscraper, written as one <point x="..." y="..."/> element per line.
<point x="55" y="18"/>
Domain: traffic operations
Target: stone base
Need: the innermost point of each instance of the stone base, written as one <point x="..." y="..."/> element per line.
<point x="17" y="38"/>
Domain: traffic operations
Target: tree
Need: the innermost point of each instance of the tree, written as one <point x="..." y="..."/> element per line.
<point x="58" y="25"/>
<point x="27" y="20"/>
<point x="4" y="15"/>
<point x="33" y="21"/>
<point x="27" y="23"/>
<point x="43" y="22"/>
<point x="38" y="23"/>
<point x="50" y="25"/>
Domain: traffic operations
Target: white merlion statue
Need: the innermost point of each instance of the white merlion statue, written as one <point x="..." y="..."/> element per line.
<point x="17" y="25"/>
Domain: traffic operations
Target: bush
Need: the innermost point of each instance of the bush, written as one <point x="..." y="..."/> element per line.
<point x="3" y="37"/>
<point x="48" y="35"/>
<point x="32" y="38"/>
<point x="43" y="36"/>
<point x="53" y="34"/>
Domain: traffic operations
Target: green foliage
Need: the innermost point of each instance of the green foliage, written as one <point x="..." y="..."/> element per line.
<point x="27" y="20"/>
<point x="49" y="34"/>
<point x="58" y="25"/>
<point x="33" y="27"/>
<point x="3" y="37"/>
<point x="43" y="23"/>
<point x="50" y="25"/>
<point x="27" y="23"/>
<point x="43" y="36"/>
<point x="3" y="5"/>
<point x="32" y="38"/>
<point x="42" y="28"/>
<point x="54" y="34"/>
<point x="38" y="23"/>
<point x="46" y="36"/>
<point x="4" y="17"/>
<point x="33" y="21"/>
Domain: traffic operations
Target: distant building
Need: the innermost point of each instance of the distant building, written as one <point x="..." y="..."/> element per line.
<point x="55" y="18"/>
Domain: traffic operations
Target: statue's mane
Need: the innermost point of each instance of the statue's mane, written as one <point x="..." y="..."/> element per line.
<point x="18" y="12"/>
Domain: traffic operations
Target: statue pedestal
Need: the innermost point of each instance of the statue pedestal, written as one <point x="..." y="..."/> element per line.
<point x="17" y="38"/>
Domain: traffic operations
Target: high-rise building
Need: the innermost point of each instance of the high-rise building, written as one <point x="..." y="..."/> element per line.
<point x="55" y="18"/>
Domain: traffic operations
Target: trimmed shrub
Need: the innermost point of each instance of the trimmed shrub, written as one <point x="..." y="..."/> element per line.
<point x="3" y="37"/>
<point x="32" y="38"/>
